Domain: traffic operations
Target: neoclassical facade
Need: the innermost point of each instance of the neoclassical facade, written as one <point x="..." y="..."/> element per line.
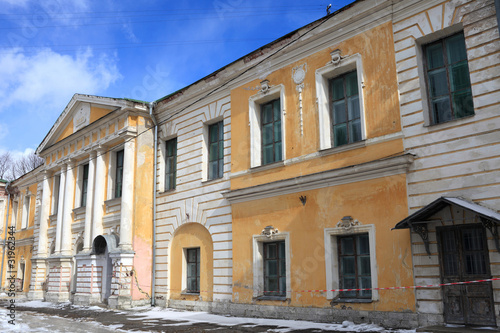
<point x="94" y="223"/>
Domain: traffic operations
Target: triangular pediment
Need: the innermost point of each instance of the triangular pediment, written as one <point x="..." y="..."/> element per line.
<point x="81" y="111"/>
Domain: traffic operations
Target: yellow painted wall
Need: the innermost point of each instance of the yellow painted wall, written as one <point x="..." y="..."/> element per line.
<point x="381" y="202"/>
<point x="380" y="100"/>
<point x="191" y="235"/>
<point x="95" y="114"/>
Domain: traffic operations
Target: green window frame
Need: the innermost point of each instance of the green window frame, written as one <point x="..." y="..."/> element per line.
<point x="170" y="164"/>
<point x="448" y="79"/>
<point x="274" y="269"/>
<point x="354" y="266"/>
<point x="119" y="173"/>
<point x="85" y="183"/>
<point x="270" y="116"/>
<point x="216" y="150"/>
<point x="193" y="270"/>
<point x="345" y="109"/>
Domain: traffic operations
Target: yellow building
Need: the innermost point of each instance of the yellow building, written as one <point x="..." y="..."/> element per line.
<point x="23" y="212"/>
<point x="318" y="175"/>
<point x="90" y="206"/>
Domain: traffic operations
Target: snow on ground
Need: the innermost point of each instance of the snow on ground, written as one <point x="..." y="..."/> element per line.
<point x="190" y="317"/>
<point x="46" y="323"/>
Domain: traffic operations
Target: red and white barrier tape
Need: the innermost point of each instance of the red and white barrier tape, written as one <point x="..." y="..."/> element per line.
<point x="366" y="289"/>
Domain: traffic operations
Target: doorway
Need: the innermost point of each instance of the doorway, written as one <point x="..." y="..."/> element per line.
<point x="463" y="253"/>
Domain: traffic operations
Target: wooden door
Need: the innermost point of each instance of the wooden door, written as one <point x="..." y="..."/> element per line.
<point x="464" y="257"/>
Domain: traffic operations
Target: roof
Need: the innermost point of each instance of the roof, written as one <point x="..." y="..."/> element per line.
<point x="258" y="51"/>
<point x="422" y="214"/>
<point x="3" y="181"/>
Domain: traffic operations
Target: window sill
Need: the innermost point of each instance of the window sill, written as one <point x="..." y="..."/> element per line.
<point x="346" y="147"/>
<point x="451" y="122"/>
<point x="167" y="191"/>
<point x="190" y="293"/>
<point x="351" y="300"/>
<point x="79" y="210"/>
<point x="271" y="298"/>
<point x="267" y="166"/>
<point x="213" y="180"/>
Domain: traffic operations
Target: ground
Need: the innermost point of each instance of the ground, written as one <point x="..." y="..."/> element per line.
<point x="36" y="316"/>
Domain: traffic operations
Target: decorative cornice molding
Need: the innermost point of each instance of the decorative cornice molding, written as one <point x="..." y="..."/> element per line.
<point x="350" y="174"/>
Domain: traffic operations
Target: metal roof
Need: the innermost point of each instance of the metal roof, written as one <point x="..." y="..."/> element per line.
<point x="422" y="214"/>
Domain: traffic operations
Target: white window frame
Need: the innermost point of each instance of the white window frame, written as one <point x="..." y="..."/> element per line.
<point x="112" y="171"/>
<point x="258" y="262"/>
<point x="26" y="212"/>
<point x="419" y="48"/>
<point x="323" y="76"/>
<point x="254" y="104"/>
<point x="332" y="258"/>
<point x="206" y="152"/>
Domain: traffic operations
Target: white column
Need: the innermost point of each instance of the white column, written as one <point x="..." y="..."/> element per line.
<point x="69" y="199"/>
<point x="87" y="236"/>
<point x="44" y="216"/>
<point x="60" y="210"/>
<point x="100" y="180"/>
<point x="127" y="205"/>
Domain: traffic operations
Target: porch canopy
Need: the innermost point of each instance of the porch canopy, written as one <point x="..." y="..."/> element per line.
<point x="417" y="221"/>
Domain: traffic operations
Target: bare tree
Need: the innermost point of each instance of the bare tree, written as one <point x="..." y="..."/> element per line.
<point x="25" y="164"/>
<point x="6" y="163"/>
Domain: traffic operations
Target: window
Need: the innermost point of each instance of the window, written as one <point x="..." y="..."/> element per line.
<point x="193" y="270"/>
<point x="170" y="164"/>
<point x="271" y="266"/>
<point x="22" y="269"/>
<point x="351" y="262"/>
<point x="85" y="182"/>
<point x="271" y="132"/>
<point x="345" y="111"/>
<point x="354" y="268"/>
<point x="339" y="92"/>
<point x="26" y="212"/>
<point x="216" y="150"/>
<point x="118" y="174"/>
<point x="267" y="126"/>
<point x="274" y="269"/>
<point x="448" y="80"/>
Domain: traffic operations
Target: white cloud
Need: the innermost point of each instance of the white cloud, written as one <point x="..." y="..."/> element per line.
<point x="48" y="78"/>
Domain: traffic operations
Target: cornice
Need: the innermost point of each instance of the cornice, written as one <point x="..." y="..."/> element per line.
<point x="351" y="174"/>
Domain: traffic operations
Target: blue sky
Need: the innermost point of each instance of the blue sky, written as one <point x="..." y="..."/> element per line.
<point x="52" y="49"/>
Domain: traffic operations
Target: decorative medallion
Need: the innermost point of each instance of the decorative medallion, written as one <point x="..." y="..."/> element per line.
<point x="299" y="73"/>
<point x="336" y="57"/>
<point x="264" y="86"/>
<point x="269" y="231"/>
<point x="347" y="223"/>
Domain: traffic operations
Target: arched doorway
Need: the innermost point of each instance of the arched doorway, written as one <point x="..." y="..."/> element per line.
<point x="101" y="247"/>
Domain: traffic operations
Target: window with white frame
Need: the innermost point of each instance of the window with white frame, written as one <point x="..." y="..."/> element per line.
<point x="170" y="164"/>
<point x="271" y="266"/>
<point x="351" y="263"/>
<point x="215" y="147"/>
<point x="119" y="173"/>
<point x="446" y="70"/>
<point x="267" y="126"/>
<point x="26" y="212"/>
<point x="339" y="89"/>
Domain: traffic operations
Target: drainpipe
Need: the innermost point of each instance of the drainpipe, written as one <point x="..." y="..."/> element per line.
<point x="497" y="7"/>
<point x="155" y="152"/>
<point x="5" y="237"/>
